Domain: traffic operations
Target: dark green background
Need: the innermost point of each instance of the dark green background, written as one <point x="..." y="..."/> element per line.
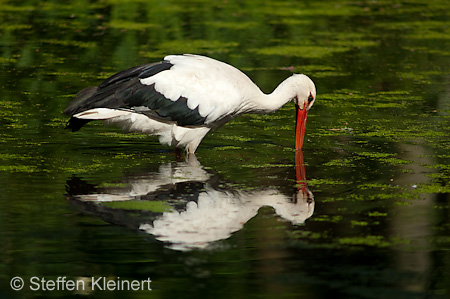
<point x="377" y="149"/>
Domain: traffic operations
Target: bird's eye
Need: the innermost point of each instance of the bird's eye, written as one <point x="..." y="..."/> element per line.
<point x="310" y="98"/>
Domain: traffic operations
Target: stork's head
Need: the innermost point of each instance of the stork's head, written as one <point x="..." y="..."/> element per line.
<point x="304" y="99"/>
<point x="305" y="91"/>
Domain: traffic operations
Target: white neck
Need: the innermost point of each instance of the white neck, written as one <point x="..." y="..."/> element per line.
<point x="266" y="103"/>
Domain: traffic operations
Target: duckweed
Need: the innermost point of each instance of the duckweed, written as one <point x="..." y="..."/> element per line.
<point x="140" y="205"/>
<point x="377" y="241"/>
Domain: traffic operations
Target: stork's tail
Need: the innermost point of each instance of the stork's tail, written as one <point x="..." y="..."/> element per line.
<point x="75" y="124"/>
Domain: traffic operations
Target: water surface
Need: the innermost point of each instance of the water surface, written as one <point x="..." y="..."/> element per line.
<point x="374" y="221"/>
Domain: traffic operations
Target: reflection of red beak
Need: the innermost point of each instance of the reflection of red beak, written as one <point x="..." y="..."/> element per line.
<point x="300" y="126"/>
<point x="302" y="184"/>
<point x="300" y="172"/>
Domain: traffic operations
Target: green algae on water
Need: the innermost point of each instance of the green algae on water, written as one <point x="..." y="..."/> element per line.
<point x="140" y="205"/>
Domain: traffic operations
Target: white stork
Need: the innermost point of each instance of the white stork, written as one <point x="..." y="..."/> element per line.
<point x="183" y="97"/>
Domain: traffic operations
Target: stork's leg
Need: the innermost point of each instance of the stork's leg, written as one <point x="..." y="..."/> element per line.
<point x="192" y="146"/>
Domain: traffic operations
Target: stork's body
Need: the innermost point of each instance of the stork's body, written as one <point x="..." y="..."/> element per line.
<point x="182" y="98"/>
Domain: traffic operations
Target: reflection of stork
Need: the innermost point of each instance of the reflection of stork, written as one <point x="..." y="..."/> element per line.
<point x="183" y="97"/>
<point x="195" y="222"/>
<point x="216" y="215"/>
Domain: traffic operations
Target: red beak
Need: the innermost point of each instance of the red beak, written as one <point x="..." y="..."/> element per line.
<point x="302" y="115"/>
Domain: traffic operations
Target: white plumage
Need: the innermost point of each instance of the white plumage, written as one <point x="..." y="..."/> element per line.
<point x="208" y="84"/>
<point x="216" y="215"/>
<point x="183" y="97"/>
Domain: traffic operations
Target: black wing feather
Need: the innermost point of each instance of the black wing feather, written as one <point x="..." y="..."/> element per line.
<point x="125" y="91"/>
<point x="141" y="71"/>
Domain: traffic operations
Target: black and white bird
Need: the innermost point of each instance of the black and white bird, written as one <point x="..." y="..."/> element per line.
<point x="183" y="97"/>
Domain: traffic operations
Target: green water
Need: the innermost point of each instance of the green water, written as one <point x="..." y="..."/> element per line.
<point x="376" y="153"/>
